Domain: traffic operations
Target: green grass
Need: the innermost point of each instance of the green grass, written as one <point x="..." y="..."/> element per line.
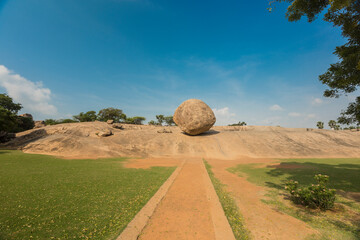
<point x="340" y="223"/>
<point x="43" y="197"/>
<point x="231" y="210"/>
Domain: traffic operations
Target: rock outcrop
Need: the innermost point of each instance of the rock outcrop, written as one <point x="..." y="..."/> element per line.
<point x="194" y="117"/>
<point x="39" y="124"/>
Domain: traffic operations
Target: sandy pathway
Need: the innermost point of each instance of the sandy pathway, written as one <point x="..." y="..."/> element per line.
<point x="261" y="220"/>
<point x="187" y="210"/>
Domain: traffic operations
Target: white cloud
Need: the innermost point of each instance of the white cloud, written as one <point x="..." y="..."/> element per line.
<point x="270" y="121"/>
<point x="311" y="115"/>
<point x="276" y="108"/>
<point x="33" y="96"/>
<point x="317" y="101"/>
<point x="224" y="116"/>
<point x="294" y="114"/>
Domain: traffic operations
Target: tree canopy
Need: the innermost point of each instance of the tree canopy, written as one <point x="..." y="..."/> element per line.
<point x="111" y="114"/>
<point x="9" y="121"/>
<point x="135" y="120"/>
<point x="89" y="116"/>
<point x="343" y="76"/>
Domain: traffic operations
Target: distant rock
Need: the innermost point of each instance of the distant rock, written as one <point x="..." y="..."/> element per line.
<point x="164" y="130"/>
<point x="39" y="124"/>
<point x="117" y="126"/>
<point x="27" y="115"/>
<point x="110" y="121"/>
<point x="194" y="117"/>
<point x="105" y="133"/>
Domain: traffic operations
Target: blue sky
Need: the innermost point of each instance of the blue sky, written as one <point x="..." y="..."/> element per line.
<point x="59" y="58"/>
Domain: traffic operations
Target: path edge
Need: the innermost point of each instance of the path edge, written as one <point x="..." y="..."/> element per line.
<point x="135" y="227"/>
<point x="221" y="224"/>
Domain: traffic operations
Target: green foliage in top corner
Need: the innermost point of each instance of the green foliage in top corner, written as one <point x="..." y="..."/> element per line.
<point x="343" y="76"/>
<point x="314" y="196"/>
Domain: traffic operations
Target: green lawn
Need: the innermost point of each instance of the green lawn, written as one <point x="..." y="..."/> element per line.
<point x="343" y="222"/>
<point x="229" y="206"/>
<point x="43" y="197"/>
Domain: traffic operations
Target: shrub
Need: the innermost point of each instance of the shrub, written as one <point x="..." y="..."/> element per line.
<point x="314" y="196"/>
<point x="89" y="116"/>
<point x="111" y="114"/>
<point x="238" y="124"/>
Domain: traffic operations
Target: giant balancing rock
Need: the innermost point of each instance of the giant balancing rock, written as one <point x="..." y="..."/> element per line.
<point x="194" y="117"/>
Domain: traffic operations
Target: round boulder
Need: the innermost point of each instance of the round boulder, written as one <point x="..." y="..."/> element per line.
<point x="194" y="117"/>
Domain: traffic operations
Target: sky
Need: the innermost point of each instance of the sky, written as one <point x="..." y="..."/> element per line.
<point x="60" y="58"/>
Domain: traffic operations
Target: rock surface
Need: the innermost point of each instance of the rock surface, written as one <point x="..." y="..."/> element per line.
<point x="105" y="133"/>
<point x="194" y="117"/>
<point x="79" y="140"/>
<point x="39" y="124"/>
<point x="27" y="115"/>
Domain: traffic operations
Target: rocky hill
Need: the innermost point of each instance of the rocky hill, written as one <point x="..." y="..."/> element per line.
<point x="83" y="140"/>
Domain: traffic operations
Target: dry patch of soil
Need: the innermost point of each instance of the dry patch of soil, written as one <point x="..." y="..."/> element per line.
<point x="152" y="162"/>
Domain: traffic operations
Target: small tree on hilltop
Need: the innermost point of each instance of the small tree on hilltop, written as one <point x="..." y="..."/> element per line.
<point x="111" y="114"/>
<point x="89" y="116"/>
<point x="320" y="125"/>
<point x="135" y="120"/>
<point x="50" y="121"/>
<point x="238" y="124"/>
<point x="332" y="124"/>
<point x="160" y="119"/>
<point x="169" y="120"/>
<point x="152" y="122"/>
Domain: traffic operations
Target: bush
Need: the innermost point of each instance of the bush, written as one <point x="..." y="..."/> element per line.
<point x="135" y="120"/>
<point x="314" y="196"/>
<point x="111" y="114"/>
<point x="24" y="123"/>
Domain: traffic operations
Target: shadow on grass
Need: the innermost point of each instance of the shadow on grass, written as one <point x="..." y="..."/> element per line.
<point x="342" y="176"/>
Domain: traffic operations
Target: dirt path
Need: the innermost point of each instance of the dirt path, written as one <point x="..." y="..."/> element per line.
<point x="261" y="220"/>
<point x="188" y="210"/>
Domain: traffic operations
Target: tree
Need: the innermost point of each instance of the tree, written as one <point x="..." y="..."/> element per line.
<point x="7" y="103"/>
<point x="352" y="114"/>
<point x="89" y="116"/>
<point x="50" y="122"/>
<point x="160" y="119"/>
<point x="320" y="125"/>
<point x="24" y="123"/>
<point x="135" y="120"/>
<point x="8" y="114"/>
<point x="169" y="120"/>
<point x="111" y="114"/>
<point x="66" y="120"/>
<point x="238" y="124"/>
<point x="152" y="122"/>
<point x="59" y="121"/>
<point x="332" y="124"/>
<point x="344" y="76"/>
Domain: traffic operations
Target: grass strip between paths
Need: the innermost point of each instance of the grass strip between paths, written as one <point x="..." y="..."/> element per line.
<point x="231" y="210"/>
